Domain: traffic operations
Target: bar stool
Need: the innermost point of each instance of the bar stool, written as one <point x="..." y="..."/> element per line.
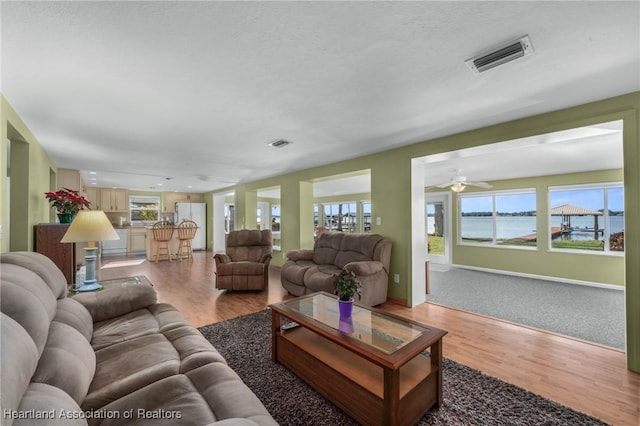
<point x="186" y="233"/>
<point x="162" y="234"/>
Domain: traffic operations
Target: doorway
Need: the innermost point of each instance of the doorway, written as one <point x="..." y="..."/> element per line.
<point x="438" y="228"/>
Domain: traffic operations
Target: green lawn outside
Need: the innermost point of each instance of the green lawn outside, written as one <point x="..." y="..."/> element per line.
<point x="435" y="245"/>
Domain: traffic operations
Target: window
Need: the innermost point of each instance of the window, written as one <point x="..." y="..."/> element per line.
<point x="366" y="216"/>
<point x="587" y="218"/>
<point x="340" y="217"/>
<point x="144" y="208"/>
<point x="502" y="218"/>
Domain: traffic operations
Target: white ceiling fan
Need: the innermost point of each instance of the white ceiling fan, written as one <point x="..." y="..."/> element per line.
<point x="458" y="183"/>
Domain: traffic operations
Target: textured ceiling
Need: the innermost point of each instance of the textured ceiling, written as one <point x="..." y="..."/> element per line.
<point x="194" y="91"/>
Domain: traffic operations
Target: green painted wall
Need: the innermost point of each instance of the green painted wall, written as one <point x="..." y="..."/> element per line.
<point x="30" y="180"/>
<point x="585" y="266"/>
<point x="391" y="194"/>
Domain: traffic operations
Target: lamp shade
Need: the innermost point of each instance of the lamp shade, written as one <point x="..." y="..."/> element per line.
<point x="90" y="225"/>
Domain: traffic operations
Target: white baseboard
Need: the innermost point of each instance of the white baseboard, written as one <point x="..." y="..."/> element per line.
<point x="539" y="277"/>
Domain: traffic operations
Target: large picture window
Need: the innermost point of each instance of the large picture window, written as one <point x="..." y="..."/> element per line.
<point x="502" y="218"/>
<point x="587" y="217"/>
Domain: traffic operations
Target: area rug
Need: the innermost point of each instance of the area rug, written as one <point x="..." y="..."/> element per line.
<point x="470" y="397"/>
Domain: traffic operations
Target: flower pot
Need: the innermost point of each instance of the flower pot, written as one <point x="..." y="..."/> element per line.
<point x="345" y="308"/>
<point x="66" y="217"/>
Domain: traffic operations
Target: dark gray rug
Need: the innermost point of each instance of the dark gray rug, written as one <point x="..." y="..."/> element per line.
<point x="470" y="397"/>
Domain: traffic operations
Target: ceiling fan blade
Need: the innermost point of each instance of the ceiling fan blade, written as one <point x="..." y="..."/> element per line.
<point x="480" y="184"/>
<point x="443" y="185"/>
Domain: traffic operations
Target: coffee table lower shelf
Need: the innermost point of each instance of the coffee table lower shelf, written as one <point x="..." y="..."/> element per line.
<point x="357" y="385"/>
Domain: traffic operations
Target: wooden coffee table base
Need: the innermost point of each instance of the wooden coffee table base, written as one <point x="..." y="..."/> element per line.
<point x="369" y="393"/>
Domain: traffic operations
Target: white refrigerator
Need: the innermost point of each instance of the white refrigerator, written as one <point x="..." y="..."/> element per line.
<point x="196" y="212"/>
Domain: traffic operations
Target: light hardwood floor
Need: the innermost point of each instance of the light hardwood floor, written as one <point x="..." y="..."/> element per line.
<point x="586" y="377"/>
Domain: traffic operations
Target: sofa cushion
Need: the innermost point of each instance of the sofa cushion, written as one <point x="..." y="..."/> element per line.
<point x="44" y="267"/>
<point x="128" y="366"/>
<point x="59" y="407"/>
<point x="157" y="318"/>
<point x="294" y="271"/>
<point x="357" y="248"/>
<point x="248" y="245"/>
<point x="173" y="400"/>
<point x="28" y="300"/>
<point x="67" y="362"/>
<point x="193" y="349"/>
<point x="326" y="248"/>
<point x="241" y="268"/>
<point x="227" y="395"/>
<point x="126" y="327"/>
<point x="321" y="278"/>
<point x="72" y="313"/>
<point x="134" y="363"/>
<point x="116" y="300"/>
<point x="19" y="361"/>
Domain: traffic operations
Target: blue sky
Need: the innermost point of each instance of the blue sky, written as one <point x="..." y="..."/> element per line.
<point x="508" y="203"/>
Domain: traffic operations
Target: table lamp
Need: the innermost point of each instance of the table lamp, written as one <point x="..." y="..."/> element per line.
<point x="90" y="226"/>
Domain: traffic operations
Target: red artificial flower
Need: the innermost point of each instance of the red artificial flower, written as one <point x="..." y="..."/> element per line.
<point x="67" y="201"/>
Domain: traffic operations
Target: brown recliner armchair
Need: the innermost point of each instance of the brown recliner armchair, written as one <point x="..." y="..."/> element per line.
<point x="245" y="264"/>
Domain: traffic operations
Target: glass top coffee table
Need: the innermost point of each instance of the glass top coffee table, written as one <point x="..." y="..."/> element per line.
<point x="373" y="365"/>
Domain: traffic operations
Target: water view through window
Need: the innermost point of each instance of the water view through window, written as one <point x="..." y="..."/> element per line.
<point x="505" y="219"/>
<point x="578" y="218"/>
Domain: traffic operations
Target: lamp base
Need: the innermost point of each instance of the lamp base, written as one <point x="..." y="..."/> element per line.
<point x="90" y="282"/>
<point x="88" y="286"/>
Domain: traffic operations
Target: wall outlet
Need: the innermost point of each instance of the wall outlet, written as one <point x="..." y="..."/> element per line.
<point x="378" y="221"/>
<point x="396" y="278"/>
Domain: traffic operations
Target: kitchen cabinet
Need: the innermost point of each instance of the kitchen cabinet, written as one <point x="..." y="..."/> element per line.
<point x="137" y="240"/>
<point x="114" y="200"/>
<point x="48" y="236"/>
<point x="93" y="195"/>
<point x="169" y="199"/>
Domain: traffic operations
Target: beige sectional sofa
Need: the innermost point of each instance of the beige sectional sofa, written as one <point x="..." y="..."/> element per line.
<point x="112" y="357"/>
<point x="367" y="255"/>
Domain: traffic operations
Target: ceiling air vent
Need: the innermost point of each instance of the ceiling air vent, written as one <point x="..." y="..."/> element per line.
<point x="514" y="50"/>
<point x="280" y="143"/>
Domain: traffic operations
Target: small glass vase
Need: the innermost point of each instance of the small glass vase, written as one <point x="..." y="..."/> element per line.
<point x="66" y="217"/>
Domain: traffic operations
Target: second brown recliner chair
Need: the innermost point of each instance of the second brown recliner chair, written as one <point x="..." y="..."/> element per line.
<point x="245" y="264"/>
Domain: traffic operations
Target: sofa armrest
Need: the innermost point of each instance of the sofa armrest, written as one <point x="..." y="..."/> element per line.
<point x="365" y="267"/>
<point x="221" y="258"/>
<point x="302" y="254"/>
<point x="117" y="300"/>
<point x="266" y="259"/>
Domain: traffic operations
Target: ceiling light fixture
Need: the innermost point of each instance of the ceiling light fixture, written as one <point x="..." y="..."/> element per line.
<point x="280" y="143"/>
<point x="501" y="55"/>
<point x="458" y="187"/>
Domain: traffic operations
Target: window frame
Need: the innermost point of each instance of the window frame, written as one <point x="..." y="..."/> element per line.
<point x="494" y="243"/>
<point x="141" y="199"/>
<point x="605" y="186"/>
<point x="350" y="229"/>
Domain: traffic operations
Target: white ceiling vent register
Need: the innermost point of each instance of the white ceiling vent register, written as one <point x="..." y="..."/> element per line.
<point x="280" y="143"/>
<point x="506" y="53"/>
